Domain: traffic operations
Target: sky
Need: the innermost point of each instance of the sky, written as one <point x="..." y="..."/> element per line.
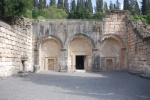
<point x="108" y="1"/>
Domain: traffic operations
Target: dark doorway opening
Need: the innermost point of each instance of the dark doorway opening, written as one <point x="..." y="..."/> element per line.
<point x="80" y="62"/>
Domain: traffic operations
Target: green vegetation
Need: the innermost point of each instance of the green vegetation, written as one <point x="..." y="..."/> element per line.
<point x="15" y="8"/>
<point x="53" y="13"/>
<point x="133" y="9"/>
<point x="82" y="9"/>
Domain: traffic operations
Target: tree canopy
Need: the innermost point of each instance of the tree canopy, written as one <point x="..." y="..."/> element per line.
<point x="76" y="9"/>
<point x="14" y="7"/>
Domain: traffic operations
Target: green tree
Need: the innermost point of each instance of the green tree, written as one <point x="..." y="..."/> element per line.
<point x="126" y="5"/>
<point x="53" y="13"/>
<point x="145" y="6"/>
<point x="60" y="4"/>
<point x="98" y="15"/>
<point x="90" y="7"/>
<point x="111" y="5"/>
<point x="105" y="7"/>
<point x="41" y="6"/>
<point x="44" y="3"/>
<point x="35" y="12"/>
<point x="117" y="5"/>
<point x="99" y="5"/>
<point x="78" y="2"/>
<point x="73" y="5"/>
<point x="52" y="2"/>
<point x="35" y="3"/>
<point x="66" y="6"/>
<point x="80" y="13"/>
<point x="136" y="10"/>
<point x="148" y="18"/>
<point x="132" y="4"/>
<point x="14" y="7"/>
<point x="3" y="7"/>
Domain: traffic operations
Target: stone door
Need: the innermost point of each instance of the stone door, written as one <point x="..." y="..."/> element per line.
<point x="50" y="64"/>
<point x="109" y="64"/>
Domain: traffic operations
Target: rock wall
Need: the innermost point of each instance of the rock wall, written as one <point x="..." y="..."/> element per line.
<point x="15" y="45"/>
<point x="138" y="33"/>
<point x="113" y="41"/>
<point x="96" y="32"/>
<point x="64" y="31"/>
<point x="116" y="43"/>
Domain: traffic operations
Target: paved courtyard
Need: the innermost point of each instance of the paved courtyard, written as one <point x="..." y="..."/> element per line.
<point x="105" y="85"/>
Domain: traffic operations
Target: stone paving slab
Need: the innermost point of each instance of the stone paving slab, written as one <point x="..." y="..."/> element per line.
<point x="135" y="72"/>
<point x="104" y="85"/>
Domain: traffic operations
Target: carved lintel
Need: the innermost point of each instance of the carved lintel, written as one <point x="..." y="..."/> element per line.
<point x="94" y="49"/>
<point x="63" y="49"/>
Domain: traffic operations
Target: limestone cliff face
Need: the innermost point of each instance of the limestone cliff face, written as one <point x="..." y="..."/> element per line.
<point x="74" y="36"/>
<point x="138" y="45"/>
<point x="15" y="45"/>
<point x="114" y="43"/>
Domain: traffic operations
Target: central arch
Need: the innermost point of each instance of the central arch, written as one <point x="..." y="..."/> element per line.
<point x="79" y="53"/>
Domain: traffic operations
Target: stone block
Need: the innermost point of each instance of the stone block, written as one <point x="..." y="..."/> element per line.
<point x="2" y="50"/>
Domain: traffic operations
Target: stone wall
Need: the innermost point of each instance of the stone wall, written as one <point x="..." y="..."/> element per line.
<point x="64" y="31"/>
<point x="94" y="31"/>
<point x="138" y="33"/>
<point x="113" y="41"/>
<point x="15" y="45"/>
<point x="116" y="43"/>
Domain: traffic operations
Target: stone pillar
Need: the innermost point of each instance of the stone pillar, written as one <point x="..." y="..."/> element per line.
<point x="63" y="61"/>
<point x="25" y="66"/>
<point x="96" y="60"/>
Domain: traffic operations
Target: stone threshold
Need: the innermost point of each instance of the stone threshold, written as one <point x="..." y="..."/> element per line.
<point x="80" y="71"/>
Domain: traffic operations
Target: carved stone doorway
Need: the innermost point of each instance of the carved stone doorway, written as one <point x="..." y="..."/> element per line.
<point x="80" y="62"/>
<point x="50" y="64"/>
<point x="49" y="54"/>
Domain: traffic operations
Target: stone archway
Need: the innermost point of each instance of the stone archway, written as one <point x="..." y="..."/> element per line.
<point x="79" y="54"/>
<point x="112" y="53"/>
<point x="50" y="53"/>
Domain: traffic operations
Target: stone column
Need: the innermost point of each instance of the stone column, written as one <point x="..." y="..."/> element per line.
<point x="63" y="61"/>
<point x="95" y="61"/>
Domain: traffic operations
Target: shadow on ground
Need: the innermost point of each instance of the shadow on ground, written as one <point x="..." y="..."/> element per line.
<point x="112" y="85"/>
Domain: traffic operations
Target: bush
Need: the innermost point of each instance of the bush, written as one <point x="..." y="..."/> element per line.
<point x="14" y="8"/>
<point x="40" y="17"/>
<point x="98" y="15"/>
<point x="80" y="13"/>
<point x="28" y="14"/>
<point x="148" y="18"/>
<point x="53" y="13"/>
<point x="35" y="12"/>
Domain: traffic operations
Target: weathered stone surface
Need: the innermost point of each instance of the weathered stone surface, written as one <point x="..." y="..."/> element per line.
<point x="12" y="40"/>
<point x="114" y="43"/>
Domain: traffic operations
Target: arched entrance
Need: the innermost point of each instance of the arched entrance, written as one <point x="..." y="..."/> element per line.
<point x="112" y="53"/>
<point x="79" y="53"/>
<point x="50" y="54"/>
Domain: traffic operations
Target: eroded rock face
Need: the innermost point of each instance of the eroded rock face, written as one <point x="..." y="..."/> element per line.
<point x="84" y="38"/>
<point x="114" y="43"/>
<point x="14" y="43"/>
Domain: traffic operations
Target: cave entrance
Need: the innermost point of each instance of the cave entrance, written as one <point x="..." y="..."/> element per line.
<point x="80" y="62"/>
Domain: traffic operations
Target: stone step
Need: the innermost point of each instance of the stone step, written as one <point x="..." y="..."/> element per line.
<point x="135" y="72"/>
<point x="145" y="76"/>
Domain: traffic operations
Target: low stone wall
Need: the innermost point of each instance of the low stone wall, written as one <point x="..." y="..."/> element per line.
<point x="15" y="43"/>
<point x="138" y="46"/>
